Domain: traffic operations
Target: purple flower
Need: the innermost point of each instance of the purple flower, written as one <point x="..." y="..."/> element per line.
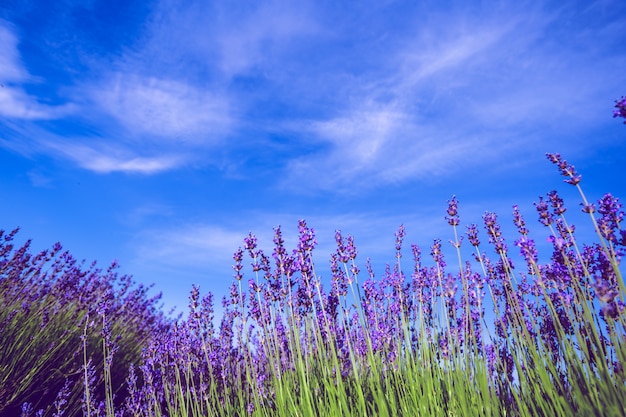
<point x="250" y="244"/>
<point x="342" y="255"/>
<point x="588" y="208"/>
<point x="453" y="218"/>
<point x="61" y="400"/>
<point x="399" y="238"/>
<point x="27" y="408"/>
<point x="529" y="252"/>
<point x="472" y="235"/>
<point x="368" y="266"/>
<point x="494" y="233"/>
<point x="435" y="252"/>
<point x="545" y="217"/>
<point x="307" y="237"/>
<point x="557" y="203"/>
<point x="612" y="215"/>
<point x="519" y="222"/>
<point x="558" y="242"/>
<point x="238" y="257"/>
<point x="612" y="310"/>
<point x="605" y="292"/>
<point x="566" y="170"/>
<point x="351" y="248"/>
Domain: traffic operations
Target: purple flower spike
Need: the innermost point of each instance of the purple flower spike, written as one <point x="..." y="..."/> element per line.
<point x="557" y="203"/>
<point x="493" y="230"/>
<point x="351" y="248"/>
<point x="545" y="217"/>
<point x="399" y="238"/>
<point x="238" y="257"/>
<point x="612" y="310"/>
<point x="453" y="218"/>
<point x="605" y="291"/>
<point x="472" y="235"/>
<point x="27" y="408"/>
<point x="62" y="398"/>
<point x="519" y="221"/>
<point x="612" y="215"/>
<point x="307" y="240"/>
<point x="566" y="170"/>
<point x="250" y="244"/>
<point x="435" y="252"/>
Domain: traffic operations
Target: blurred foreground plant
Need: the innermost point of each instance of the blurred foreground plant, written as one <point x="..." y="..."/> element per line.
<point x="49" y="302"/>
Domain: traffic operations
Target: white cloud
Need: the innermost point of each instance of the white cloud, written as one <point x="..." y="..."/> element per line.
<point x="462" y="91"/>
<point x="106" y="164"/>
<point x="375" y="147"/>
<point x="38" y="179"/>
<point x="11" y="69"/>
<point x="165" y="108"/>
<point x="431" y="56"/>
<point x="396" y="126"/>
<point x="233" y="38"/>
<point x="109" y="159"/>
<point x="361" y="135"/>
<point x="14" y="101"/>
<point x="248" y="40"/>
<point x="191" y="245"/>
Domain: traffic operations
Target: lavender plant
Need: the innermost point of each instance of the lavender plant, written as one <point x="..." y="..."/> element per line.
<point x="483" y="337"/>
<point x="55" y="315"/>
<point x="418" y="344"/>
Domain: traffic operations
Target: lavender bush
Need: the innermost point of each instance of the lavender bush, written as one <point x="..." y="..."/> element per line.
<point x="502" y="334"/>
<point x="57" y="316"/>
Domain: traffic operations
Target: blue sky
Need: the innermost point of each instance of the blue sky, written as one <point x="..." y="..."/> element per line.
<point x="159" y="133"/>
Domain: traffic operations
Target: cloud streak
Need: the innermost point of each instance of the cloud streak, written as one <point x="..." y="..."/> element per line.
<point x="463" y="85"/>
<point x="113" y="159"/>
<point x="11" y="69"/>
<point x="165" y="108"/>
<point x="191" y="245"/>
<point x="442" y="85"/>
<point x="15" y="103"/>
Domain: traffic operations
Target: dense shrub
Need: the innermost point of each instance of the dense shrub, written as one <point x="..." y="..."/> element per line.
<point x="56" y="312"/>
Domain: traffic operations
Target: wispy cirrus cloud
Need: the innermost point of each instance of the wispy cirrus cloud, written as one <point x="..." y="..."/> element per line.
<point x="16" y="104"/>
<point x="460" y="91"/>
<point x="11" y="68"/>
<point x="398" y="105"/>
<point x="237" y="38"/>
<point x="14" y="101"/>
<point x="261" y="36"/>
<point x="194" y="245"/>
<point x="148" y="109"/>
<point x="164" y="108"/>
<point x="105" y="159"/>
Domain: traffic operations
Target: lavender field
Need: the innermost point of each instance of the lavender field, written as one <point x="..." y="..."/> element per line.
<point x="507" y="331"/>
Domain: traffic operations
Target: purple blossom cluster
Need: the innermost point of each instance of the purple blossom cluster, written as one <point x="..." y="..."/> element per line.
<point x="283" y="321"/>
